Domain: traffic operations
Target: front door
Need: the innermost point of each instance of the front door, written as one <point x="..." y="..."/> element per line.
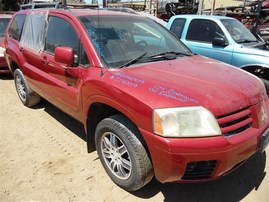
<point x="199" y="38"/>
<point x="62" y="85"/>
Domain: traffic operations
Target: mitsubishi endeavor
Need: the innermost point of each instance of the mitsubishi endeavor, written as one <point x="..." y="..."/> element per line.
<point x="152" y="107"/>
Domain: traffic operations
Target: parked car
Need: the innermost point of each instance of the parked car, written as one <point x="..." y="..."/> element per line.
<point x="132" y="11"/>
<point x="152" y="107"/>
<point x="264" y="33"/>
<point x="4" y="20"/>
<point x="224" y="39"/>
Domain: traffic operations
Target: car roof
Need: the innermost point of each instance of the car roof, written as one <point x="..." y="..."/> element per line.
<point x="77" y="12"/>
<point x="217" y="17"/>
<point x="83" y="12"/>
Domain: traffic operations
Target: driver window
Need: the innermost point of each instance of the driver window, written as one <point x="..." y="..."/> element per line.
<point x="203" y="31"/>
<point x="61" y="33"/>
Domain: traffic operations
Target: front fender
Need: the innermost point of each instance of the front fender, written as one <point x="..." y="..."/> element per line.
<point x="139" y="113"/>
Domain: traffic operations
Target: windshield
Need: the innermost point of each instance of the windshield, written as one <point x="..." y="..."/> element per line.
<point x="3" y="25"/>
<point x="119" y="40"/>
<point x="238" y="31"/>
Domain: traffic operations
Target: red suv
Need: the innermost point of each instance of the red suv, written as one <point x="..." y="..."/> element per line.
<point x="151" y="105"/>
<point x="4" y="20"/>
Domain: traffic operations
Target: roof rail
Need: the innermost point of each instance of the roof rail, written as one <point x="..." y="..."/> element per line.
<point x="42" y="5"/>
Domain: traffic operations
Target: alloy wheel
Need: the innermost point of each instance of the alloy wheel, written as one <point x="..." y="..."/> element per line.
<point x="21" y="88"/>
<point x="116" y="155"/>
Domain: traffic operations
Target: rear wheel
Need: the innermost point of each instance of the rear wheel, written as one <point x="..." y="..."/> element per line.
<point x="26" y="95"/>
<point x="122" y="154"/>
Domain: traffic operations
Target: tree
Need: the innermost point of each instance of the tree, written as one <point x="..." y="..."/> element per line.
<point x="9" y="5"/>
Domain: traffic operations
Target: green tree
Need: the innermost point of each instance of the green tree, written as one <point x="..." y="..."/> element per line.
<point x="9" y="5"/>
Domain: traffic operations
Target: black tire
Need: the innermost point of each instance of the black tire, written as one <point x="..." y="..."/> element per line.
<point x="26" y="95"/>
<point x="266" y="84"/>
<point x="122" y="154"/>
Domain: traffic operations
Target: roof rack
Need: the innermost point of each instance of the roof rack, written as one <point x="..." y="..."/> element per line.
<point x="42" y="5"/>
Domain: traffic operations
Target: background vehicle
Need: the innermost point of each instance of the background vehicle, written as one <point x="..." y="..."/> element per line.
<point x="129" y="10"/>
<point x="254" y="14"/>
<point x="224" y="39"/>
<point x="124" y="77"/>
<point x="4" y="20"/>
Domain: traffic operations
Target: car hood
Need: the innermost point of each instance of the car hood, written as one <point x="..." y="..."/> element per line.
<point x="259" y="49"/>
<point x="190" y="81"/>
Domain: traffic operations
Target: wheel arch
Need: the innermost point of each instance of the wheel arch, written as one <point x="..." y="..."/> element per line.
<point x="98" y="111"/>
<point x="13" y="66"/>
<point x="259" y="70"/>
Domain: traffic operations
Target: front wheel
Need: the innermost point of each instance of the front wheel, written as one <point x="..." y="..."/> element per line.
<point x="26" y="95"/>
<point x="122" y="154"/>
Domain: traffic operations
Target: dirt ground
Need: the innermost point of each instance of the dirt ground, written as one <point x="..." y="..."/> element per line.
<point x="43" y="157"/>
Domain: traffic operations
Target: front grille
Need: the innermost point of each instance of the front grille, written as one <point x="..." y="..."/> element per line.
<point x="235" y="123"/>
<point x="199" y="170"/>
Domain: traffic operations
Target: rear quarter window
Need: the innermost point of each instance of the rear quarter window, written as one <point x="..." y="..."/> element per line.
<point x="16" y="27"/>
<point x="177" y="26"/>
<point x="3" y="25"/>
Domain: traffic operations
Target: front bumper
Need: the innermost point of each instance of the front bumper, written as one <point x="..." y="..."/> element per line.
<point x="201" y="159"/>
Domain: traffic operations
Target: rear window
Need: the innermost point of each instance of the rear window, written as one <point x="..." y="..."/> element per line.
<point x="3" y="25"/>
<point x="17" y="26"/>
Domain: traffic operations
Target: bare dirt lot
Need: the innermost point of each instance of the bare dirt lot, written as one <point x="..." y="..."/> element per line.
<point x="43" y="157"/>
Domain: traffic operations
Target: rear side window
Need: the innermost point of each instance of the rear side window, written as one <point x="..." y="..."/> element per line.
<point x="60" y="33"/>
<point x="3" y="25"/>
<point x="177" y="26"/>
<point x="203" y="31"/>
<point x="33" y="32"/>
<point x="17" y="26"/>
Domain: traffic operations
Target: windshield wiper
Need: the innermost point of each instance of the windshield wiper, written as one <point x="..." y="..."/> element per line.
<point x="133" y="61"/>
<point x="246" y="41"/>
<point x="168" y="53"/>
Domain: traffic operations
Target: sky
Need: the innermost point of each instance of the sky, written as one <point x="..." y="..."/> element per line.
<point x="90" y="1"/>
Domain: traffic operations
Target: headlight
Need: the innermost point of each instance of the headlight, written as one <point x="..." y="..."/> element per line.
<point x="263" y="114"/>
<point x="185" y="122"/>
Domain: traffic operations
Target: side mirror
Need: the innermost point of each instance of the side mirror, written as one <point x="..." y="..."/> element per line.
<point x="219" y="41"/>
<point x="64" y="55"/>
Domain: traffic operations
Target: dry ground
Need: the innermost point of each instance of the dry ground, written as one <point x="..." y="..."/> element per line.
<point x="43" y="157"/>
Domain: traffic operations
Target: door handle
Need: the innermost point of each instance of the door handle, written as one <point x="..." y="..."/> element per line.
<point x="21" y="48"/>
<point x="44" y="60"/>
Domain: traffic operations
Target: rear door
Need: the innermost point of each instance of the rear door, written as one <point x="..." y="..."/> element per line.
<point x="13" y="39"/>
